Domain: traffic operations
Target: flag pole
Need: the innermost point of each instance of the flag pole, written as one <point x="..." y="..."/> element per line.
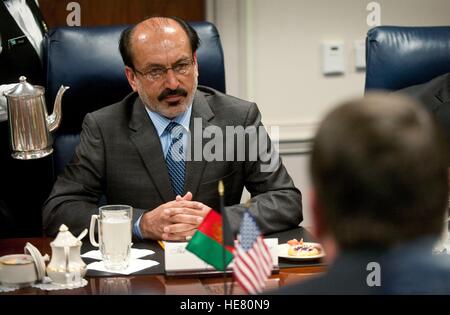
<point x="247" y="206"/>
<point x="221" y="190"/>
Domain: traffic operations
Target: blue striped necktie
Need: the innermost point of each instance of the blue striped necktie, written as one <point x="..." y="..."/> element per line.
<point x="175" y="158"/>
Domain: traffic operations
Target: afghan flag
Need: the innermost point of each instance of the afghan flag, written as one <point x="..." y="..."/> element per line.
<point x="207" y="242"/>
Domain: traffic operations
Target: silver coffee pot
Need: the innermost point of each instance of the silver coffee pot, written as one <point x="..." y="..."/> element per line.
<point x="29" y="123"/>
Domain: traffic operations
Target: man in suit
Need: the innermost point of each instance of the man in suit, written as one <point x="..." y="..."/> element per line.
<point x="22" y="29"/>
<point x="379" y="199"/>
<point x="146" y="150"/>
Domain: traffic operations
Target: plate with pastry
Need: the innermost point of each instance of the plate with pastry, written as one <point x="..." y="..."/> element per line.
<point x="299" y="250"/>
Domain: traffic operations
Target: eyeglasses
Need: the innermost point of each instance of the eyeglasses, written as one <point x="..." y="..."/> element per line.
<point x="157" y="73"/>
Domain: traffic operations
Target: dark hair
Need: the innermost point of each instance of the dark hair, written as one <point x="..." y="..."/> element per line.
<point x="125" y="46"/>
<point x="125" y="39"/>
<point x="379" y="166"/>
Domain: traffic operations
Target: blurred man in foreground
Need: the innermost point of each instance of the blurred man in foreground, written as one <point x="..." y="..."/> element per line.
<point x="379" y="171"/>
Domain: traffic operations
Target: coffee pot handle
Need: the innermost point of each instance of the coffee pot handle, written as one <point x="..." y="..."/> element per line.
<point x="94" y="218"/>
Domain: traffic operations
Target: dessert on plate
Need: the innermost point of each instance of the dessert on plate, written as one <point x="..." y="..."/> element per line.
<point x="302" y="249"/>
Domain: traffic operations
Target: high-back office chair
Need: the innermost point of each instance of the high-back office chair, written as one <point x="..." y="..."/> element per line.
<point x="88" y="60"/>
<point x="398" y="57"/>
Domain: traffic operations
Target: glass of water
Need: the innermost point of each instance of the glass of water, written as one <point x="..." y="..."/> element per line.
<point x="114" y="230"/>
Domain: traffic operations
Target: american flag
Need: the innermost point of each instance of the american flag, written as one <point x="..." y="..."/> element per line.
<point x="252" y="260"/>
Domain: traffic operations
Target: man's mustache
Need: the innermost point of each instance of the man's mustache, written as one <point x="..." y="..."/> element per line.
<point x="169" y="92"/>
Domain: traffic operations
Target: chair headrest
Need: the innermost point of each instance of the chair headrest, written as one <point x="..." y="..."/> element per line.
<point x="397" y="57"/>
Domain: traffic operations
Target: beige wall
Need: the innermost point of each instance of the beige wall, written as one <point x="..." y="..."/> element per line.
<point x="272" y="51"/>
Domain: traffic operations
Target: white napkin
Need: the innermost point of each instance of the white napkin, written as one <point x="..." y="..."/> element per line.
<point x="134" y="266"/>
<point x="135" y="253"/>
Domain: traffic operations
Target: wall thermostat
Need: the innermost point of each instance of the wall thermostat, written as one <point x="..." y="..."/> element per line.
<point x="333" y="61"/>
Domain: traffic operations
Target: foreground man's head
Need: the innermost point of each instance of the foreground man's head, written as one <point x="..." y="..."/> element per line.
<point x="379" y="167"/>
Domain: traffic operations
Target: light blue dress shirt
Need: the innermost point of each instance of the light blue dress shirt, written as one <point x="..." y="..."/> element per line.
<point x="160" y="122"/>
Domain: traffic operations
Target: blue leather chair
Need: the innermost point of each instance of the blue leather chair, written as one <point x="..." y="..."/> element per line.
<point x="398" y="57"/>
<point x="88" y="60"/>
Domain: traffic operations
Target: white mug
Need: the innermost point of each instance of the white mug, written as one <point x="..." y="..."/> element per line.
<point x="114" y="231"/>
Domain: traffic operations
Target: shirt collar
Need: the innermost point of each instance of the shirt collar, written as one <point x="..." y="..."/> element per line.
<point x="161" y="122"/>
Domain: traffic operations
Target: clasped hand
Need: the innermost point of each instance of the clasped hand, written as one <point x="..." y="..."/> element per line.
<point x="175" y="220"/>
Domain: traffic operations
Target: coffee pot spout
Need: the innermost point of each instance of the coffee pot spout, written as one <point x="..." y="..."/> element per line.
<point x="54" y="119"/>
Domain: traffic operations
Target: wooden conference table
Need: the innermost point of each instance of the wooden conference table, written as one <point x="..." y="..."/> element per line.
<point x="157" y="282"/>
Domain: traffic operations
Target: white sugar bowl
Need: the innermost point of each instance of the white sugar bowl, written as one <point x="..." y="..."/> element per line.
<point x="66" y="265"/>
<point x="22" y="270"/>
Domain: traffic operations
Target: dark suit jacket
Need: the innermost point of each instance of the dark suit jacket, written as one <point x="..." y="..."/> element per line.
<point x="435" y="96"/>
<point x="19" y="58"/>
<point x="120" y="156"/>
<point x="407" y="269"/>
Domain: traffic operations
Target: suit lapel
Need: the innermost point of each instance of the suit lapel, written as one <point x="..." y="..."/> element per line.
<point x="201" y="111"/>
<point x="146" y="141"/>
<point x="37" y="16"/>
